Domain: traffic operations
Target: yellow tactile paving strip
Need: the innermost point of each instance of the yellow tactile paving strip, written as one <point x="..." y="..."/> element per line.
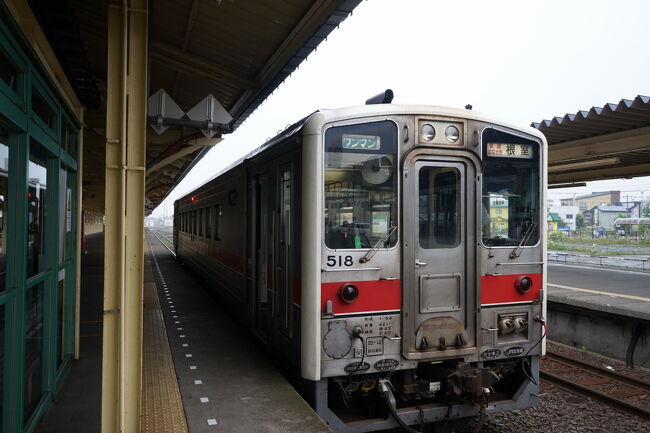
<point x="162" y="407"/>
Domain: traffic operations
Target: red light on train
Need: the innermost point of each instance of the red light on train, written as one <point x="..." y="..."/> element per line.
<point x="193" y="199"/>
<point x="349" y="293"/>
<point x="523" y="284"/>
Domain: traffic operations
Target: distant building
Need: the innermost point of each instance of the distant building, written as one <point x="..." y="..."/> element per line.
<point x="605" y="216"/>
<point x="567" y="214"/>
<point x="554" y="221"/>
<point x="589" y="201"/>
<point x="634" y="209"/>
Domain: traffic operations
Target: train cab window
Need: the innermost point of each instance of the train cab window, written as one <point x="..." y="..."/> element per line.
<point x="361" y="185"/>
<point x="439" y="207"/>
<point x="511" y="190"/>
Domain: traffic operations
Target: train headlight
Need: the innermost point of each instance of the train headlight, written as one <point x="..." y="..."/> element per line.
<point x="428" y="132"/>
<point x="349" y="293"/>
<point x="452" y="133"/>
<point x="523" y="284"/>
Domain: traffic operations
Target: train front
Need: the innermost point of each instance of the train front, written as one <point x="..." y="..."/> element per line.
<point x="424" y="237"/>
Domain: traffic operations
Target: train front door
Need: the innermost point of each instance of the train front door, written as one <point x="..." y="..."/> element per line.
<point x="439" y="288"/>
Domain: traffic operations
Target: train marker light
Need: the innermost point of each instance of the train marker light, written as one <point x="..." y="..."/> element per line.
<point x="349" y="293"/>
<point x="452" y="133"/>
<point x="428" y="132"/>
<point x="523" y="284"/>
<point x="193" y="199"/>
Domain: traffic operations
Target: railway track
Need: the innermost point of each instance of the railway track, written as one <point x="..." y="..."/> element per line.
<point x="607" y="386"/>
<point x="165" y="240"/>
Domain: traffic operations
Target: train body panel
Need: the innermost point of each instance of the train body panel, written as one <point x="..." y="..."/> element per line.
<point x="385" y="243"/>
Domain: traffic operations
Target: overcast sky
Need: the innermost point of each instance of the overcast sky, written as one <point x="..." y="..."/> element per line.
<point x="521" y="61"/>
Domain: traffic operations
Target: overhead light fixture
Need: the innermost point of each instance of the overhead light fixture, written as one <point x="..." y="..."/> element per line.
<point x="584" y="164"/>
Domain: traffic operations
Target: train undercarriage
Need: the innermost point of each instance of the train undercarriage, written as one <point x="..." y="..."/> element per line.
<point x="436" y="397"/>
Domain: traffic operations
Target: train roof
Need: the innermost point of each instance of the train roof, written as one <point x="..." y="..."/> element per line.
<point x="320" y="117"/>
<point x="332" y="115"/>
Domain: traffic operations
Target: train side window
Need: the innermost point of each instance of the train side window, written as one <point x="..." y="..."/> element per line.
<point x="208" y="222"/>
<point x="218" y="213"/>
<point x="200" y="222"/>
<point x="194" y="222"/>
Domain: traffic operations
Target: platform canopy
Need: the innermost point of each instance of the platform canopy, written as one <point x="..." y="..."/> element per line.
<point x="238" y="51"/>
<point x="606" y="142"/>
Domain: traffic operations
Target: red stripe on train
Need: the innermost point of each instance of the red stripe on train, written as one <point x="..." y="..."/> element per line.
<point x="500" y="289"/>
<point x="378" y="295"/>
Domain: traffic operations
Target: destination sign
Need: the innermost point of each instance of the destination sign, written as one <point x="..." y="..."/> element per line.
<point x="360" y="142"/>
<point x="510" y="150"/>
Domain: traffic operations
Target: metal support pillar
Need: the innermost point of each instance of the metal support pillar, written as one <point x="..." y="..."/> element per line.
<point x="124" y="239"/>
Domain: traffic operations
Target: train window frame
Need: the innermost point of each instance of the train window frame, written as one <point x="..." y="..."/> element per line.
<point x="435" y="175"/>
<point x="201" y="217"/>
<point x="218" y="213"/>
<point x="208" y="222"/>
<point x="539" y="157"/>
<point x="395" y="220"/>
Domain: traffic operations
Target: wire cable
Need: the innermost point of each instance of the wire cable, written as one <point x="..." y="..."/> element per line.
<point x="541" y="338"/>
<point x="407" y="428"/>
<point x="526" y="362"/>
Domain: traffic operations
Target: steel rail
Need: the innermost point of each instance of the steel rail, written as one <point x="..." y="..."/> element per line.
<point x="164" y="236"/>
<point x="161" y="241"/>
<point x="575" y="388"/>
<point x="630" y="381"/>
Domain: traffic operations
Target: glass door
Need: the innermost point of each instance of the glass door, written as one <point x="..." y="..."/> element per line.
<point x="37" y="274"/>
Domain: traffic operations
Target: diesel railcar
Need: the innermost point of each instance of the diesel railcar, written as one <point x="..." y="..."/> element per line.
<point x="393" y="254"/>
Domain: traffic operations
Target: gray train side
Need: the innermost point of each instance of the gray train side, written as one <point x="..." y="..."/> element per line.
<point x="394" y="255"/>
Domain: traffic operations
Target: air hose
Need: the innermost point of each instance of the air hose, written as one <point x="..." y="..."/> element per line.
<point x="384" y="388"/>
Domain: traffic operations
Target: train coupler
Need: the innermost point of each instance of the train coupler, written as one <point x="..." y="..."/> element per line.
<point x="472" y="380"/>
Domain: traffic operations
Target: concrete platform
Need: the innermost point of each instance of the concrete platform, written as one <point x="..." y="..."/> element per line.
<point x="77" y="405"/>
<point x="226" y="381"/>
<point x="602" y="310"/>
<point x="625" y="293"/>
<point x="222" y="380"/>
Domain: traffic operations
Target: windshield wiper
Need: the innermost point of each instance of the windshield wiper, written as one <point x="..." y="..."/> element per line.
<point x="524" y="240"/>
<point x="371" y="252"/>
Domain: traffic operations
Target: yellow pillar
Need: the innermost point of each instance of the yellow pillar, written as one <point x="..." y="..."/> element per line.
<point x="124" y="247"/>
